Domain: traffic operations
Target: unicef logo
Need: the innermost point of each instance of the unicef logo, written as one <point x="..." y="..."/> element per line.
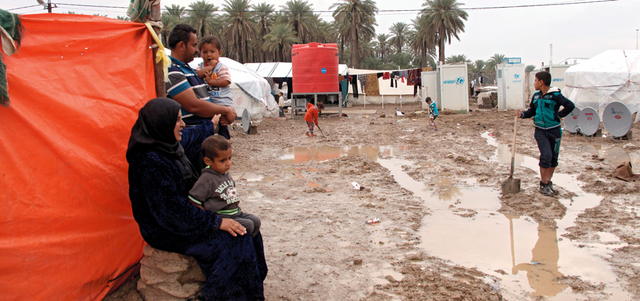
<point x="516" y="76"/>
<point x="457" y="81"/>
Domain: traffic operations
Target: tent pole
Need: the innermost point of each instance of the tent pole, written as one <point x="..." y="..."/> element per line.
<point x="161" y="89"/>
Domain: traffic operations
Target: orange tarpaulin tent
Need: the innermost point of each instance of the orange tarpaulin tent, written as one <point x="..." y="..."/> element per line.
<point x="75" y="85"/>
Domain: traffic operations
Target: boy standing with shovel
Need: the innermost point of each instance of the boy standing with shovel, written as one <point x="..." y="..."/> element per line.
<point x="544" y="108"/>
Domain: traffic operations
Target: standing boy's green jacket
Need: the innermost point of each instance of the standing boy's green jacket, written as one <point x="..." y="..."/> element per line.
<point x="545" y="109"/>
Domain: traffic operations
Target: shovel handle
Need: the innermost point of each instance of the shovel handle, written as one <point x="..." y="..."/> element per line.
<point x="513" y="148"/>
<point x="515" y="129"/>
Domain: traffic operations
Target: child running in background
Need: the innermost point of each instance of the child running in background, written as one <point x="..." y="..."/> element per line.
<point x="215" y="190"/>
<point x="311" y="117"/>
<point x="217" y="77"/>
<point x="281" y="103"/>
<point x="433" y="113"/>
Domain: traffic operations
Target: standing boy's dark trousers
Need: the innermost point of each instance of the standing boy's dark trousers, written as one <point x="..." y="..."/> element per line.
<point x="549" y="145"/>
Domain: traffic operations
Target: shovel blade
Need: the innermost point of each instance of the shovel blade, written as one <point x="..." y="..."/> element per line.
<point x="511" y="186"/>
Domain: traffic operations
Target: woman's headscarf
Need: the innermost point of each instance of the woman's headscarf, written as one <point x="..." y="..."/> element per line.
<point x="154" y="131"/>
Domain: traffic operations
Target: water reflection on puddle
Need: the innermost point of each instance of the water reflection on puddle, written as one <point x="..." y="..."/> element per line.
<point x="322" y="153"/>
<point x="613" y="155"/>
<point x="466" y="228"/>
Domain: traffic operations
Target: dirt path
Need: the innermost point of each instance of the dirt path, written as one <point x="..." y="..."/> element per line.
<point x="320" y="248"/>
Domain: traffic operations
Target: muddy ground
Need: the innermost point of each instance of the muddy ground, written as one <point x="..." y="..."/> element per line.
<point x="319" y="247"/>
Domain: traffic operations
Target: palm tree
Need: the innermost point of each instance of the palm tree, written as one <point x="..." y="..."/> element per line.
<point x="300" y="16"/>
<point x="458" y="58"/>
<point x="327" y="32"/>
<point x="422" y="42"/>
<point x="445" y="19"/>
<point x="477" y="68"/>
<point x="529" y="68"/>
<point x="355" y="20"/>
<point x="170" y="18"/>
<point x="280" y="41"/>
<point x="400" y="60"/>
<point x="241" y="26"/>
<point x="217" y="27"/>
<point x="372" y="63"/>
<point x="398" y="35"/>
<point x="494" y="60"/>
<point x="264" y="17"/>
<point x="383" y="44"/>
<point x="200" y="13"/>
<point x="175" y="10"/>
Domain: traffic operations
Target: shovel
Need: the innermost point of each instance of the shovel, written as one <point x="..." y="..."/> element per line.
<point x="512" y="185"/>
<point x="321" y="132"/>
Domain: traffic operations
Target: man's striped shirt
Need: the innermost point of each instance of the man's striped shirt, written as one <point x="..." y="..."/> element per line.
<point x="181" y="78"/>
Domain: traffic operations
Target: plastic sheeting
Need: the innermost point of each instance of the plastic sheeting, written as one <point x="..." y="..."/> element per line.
<point x="251" y="92"/>
<point x="249" y="89"/>
<point x="67" y="228"/>
<point x="613" y="75"/>
<point x="283" y="69"/>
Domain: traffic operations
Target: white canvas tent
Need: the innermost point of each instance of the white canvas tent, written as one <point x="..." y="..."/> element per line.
<point x="250" y="90"/>
<point x="282" y="69"/>
<point x="613" y="75"/>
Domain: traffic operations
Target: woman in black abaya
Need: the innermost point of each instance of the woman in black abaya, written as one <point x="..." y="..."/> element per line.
<point x="160" y="177"/>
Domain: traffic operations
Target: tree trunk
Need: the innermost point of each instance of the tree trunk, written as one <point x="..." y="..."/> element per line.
<point x="342" y="47"/>
<point x="239" y="48"/>
<point x="441" y="36"/>
<point x="354" y="48"/>
<point x="441" y="50"/>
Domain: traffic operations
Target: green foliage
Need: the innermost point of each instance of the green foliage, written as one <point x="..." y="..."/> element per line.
<point x="398" y="35"/>
<point x="444" y="20"/>
<point x="280" y="41"/>
<point x="457" y="59"/>
<point x="199" y="13"/>
<point x="529" y="68"/>
<point x="401" y="61"/>
<point x="261" y="32"/>
<point x="299" y="14"/>
<point x="241" y="24"/>
<point x="494" y="61"/>
<point x="477" y="68"/>
<point x="355" y="21"/>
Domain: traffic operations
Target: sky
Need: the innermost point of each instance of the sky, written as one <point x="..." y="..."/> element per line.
<point x="537" y="35"/>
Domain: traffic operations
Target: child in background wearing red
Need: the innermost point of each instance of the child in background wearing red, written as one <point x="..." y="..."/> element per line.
<point x="311" y="117"/>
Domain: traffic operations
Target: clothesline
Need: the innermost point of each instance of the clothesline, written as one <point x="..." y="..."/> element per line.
<point x="368" y="71"/>
<point x="370" y="85"/>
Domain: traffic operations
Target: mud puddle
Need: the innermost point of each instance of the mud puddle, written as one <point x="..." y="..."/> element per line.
<point x="524" y="257"/>
<point x="322" y="153"/>
<point x="614" y="155"/>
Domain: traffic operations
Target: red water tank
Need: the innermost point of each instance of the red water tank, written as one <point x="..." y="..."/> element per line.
<point x="314" y="68"/>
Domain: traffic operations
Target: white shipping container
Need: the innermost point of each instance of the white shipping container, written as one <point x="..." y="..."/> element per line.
<point x="453" y="87"/>
<point x="511" y="86"/>
<point x="429" y="87"/>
